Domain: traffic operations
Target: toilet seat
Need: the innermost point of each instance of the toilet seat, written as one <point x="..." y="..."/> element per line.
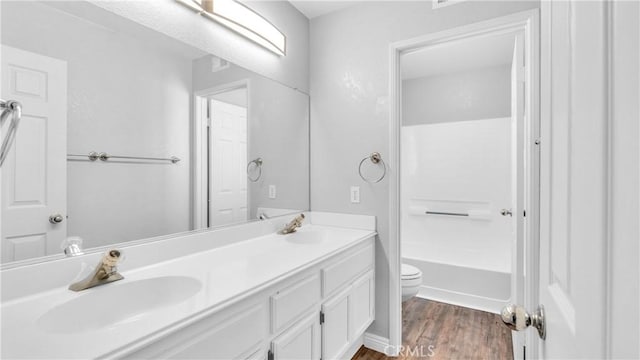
<point x="411" y="281"/>
<point x="410" y="272"/>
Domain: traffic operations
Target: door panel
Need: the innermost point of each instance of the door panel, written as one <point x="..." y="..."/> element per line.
<point x="34" y="174"/>
<point x="335" y="330"/>
<point x="301" y="342"/>
<point x="228" y="159"/>
<point x="518" y="179"/>
<point x="573" y="179"/>
<point x="362" y="307"/>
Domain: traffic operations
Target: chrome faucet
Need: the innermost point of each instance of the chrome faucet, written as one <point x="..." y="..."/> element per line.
<point x="105" y="272"/>
<point x="292" y="226"/>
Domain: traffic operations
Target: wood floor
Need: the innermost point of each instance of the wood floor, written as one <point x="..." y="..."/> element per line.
<point x="433" y="330"/>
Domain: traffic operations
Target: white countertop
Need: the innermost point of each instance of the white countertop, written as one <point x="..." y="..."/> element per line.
<point x="227" y="274"/>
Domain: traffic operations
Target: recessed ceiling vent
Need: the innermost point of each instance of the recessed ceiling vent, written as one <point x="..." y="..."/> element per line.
<point x="218" y="64"/>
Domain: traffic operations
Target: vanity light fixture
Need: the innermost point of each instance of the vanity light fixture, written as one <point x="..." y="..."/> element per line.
<point x="242" y="20"/>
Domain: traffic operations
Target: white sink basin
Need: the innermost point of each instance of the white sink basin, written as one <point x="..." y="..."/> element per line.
<point x="304" y="236"/>
<point x="116" y="303"/>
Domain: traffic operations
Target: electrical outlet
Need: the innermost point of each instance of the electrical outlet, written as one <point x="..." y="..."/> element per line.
<point x="355" y="194"/>
<point x="272" y="191"/>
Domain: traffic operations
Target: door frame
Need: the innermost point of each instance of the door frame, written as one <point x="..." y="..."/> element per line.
<point x="200" y="150"/>
<point x="527" y="23"/>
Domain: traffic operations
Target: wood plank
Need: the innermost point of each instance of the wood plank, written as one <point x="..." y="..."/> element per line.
<point x="436" y="330"/>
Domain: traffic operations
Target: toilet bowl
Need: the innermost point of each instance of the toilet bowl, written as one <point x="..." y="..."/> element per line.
<point x="411" y="281"/>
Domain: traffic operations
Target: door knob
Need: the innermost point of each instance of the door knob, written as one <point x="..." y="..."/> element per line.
<point x="517" y="318"/>
<point x="56" y="218"/>
<point x="506" y="212"/>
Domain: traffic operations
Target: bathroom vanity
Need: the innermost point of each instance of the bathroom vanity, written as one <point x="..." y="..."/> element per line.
<point x="306" y="295"/>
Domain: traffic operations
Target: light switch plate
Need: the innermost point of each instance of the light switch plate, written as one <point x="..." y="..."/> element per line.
<point x="272" y="191"/>
<point x="355" y="194"/>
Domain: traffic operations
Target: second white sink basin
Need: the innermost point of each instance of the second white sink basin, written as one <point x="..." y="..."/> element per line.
<point x="117" y="303"/>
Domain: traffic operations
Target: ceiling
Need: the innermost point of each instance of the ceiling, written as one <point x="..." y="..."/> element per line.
<point x="314" y="8"/>
<point x="463" y="55"/>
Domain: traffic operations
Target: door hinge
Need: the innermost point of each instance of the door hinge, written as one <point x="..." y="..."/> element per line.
<point x="321" y="317"/>
<point x="524" y="352"/>
<point x="524" y="213"/>
<point x="270" y="355"/>
<point x="524" y="98"/>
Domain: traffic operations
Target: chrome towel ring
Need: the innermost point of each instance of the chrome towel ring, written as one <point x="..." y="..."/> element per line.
<point x="257" y="165"/>
<point x="375" y="158"/>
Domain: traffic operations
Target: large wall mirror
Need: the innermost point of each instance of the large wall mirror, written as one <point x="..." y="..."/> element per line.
<point x="129" y="134"/>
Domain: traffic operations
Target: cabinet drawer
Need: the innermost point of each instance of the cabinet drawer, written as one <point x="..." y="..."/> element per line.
<point x="336" y="275"/>
<point x="290" y="303"/>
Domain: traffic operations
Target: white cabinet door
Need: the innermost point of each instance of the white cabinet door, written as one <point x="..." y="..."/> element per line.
<point x="301" y="342"/>
<point x="335" y="329"/>
<point x="361" y="305"/>
<point x="34" y="175"/>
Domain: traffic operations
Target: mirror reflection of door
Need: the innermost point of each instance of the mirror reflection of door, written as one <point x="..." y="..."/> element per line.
<point x="34" y="175"/>
<point x="228" y="196"/>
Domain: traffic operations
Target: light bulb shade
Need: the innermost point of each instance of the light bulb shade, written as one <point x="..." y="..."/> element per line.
<point x="242" y="20"/>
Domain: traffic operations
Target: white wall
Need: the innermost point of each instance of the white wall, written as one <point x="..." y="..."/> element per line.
<point x="624" y="279"/>
<point x="126" y="97"/>
<point x="177" y="21"/>
<point x="457" y="167"/>
<point x="349" y="109"/>
<point x="470" y="95"/>
<point x="278" y="133"/>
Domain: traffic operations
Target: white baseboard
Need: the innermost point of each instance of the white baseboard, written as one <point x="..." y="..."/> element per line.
<point x="460" y="299"/>
<point x="353" y="349"/>
<point x="377" y="343"/>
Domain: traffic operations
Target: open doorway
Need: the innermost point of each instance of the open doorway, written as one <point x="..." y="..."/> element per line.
<point x="460" y="168"/>
<point x="464" y="198"/>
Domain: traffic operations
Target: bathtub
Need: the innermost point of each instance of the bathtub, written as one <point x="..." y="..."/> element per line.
<point x="474" y="284"/>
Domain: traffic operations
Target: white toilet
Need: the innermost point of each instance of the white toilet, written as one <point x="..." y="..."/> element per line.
<point x="411" y="281"/>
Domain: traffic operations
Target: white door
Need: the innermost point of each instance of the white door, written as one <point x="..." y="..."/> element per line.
<point x="227" y="164"/>
<point x="34" y="175"/>
<point x="301" y="342"/>
<point x="517" y="207"/>
<point x="573" y="179"/>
